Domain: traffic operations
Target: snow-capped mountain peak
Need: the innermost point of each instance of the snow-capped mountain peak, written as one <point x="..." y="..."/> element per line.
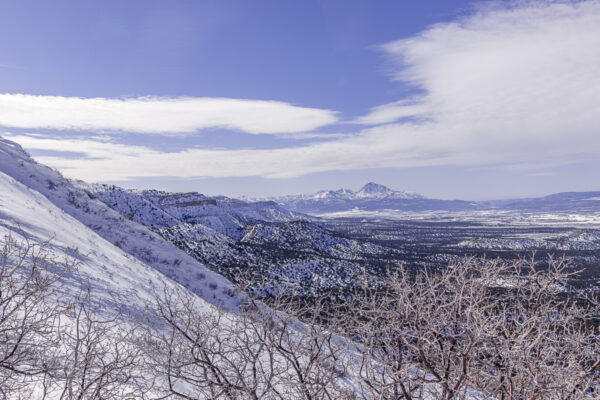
<point x="373" y="189"/>
<point x="371" y="196"/>
<point x="333" y="194"/>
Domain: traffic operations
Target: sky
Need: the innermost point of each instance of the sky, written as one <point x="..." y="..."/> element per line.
<point x="451" y="99"/>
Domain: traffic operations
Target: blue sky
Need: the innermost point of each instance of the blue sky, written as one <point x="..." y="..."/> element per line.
<point x="451" y="99"/>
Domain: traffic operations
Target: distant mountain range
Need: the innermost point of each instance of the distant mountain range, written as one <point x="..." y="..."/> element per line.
<point x="371" y="191"/>
<point x="375" y="197"/>
<point x="371" y="197"/>
<point x="576" y="202"/>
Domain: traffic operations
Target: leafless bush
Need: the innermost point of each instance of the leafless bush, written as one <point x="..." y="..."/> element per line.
<point x="96" y="357"/>
<point x="258" y="354"/>
<point x="315" y="356"/>
<point x="477" y="329"/>
<point x="27" y="277"/>
<point x="52" y="348"/>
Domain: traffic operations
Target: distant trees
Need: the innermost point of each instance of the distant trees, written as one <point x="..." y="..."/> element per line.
<point x="477" y="329"/>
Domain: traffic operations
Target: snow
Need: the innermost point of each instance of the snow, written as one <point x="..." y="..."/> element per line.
<point x="124" y="260"/>
<point x="486" y="217"/>
<point x="113" y="275"/>
<point x="369" y="191"/>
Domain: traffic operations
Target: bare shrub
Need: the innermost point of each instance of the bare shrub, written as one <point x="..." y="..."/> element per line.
<point x="97" y="357"/>
<point x="27" y="277"/>
<point x="477" y="329"/>
<point x="260" y="354"/>
<point x="52" y="348"/>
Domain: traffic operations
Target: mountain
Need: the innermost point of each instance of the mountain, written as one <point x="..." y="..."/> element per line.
<point x="129" y="244"/>
<point x="120" y="258"/>
<point x="183" y="238"/>
<point x="371" y="197"/>
<point x="220" y="214"/>
<point x="370" y="191"/>
<point x="205" y="242"/>
<point x="82" y="328"/>
<point x="375" y="191"/>
<point x="236" y="238"/>
<point x="125" y="265"/>
<point x="565" y="202"/>
<point x="378" y="200"/>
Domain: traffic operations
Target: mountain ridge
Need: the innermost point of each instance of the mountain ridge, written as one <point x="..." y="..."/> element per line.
<point x="370" y="197"/>
<point x="374" y="197"/>
<point x="235" y="237"/>
<point x="73" y="200"/>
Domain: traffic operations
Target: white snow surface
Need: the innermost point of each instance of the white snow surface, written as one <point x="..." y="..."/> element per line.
<point x="220" y="215"/>
<point x="123" y="261"/>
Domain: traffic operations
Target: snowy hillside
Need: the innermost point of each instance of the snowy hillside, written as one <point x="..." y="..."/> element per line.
<point x="124" y="265"/>
<point x="220" y="214"/>
<point x="117" y="254"/>
<point x="234" y="237"/>
<point x="124" y="258"/>
<point x="112" y="274"/>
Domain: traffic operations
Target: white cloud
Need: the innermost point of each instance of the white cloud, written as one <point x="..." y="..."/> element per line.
<point x="516" y="86"/>
<point x="391" y="112"/>
<point x="526" y="73"/>
<point x="158" y="115"/>
<point x="381" y="147"/>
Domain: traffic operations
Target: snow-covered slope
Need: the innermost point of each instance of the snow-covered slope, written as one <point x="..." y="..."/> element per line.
<point x="220" y="215"/>
<point x="120" y="256"/>
<point x="63" y="214"/>
<point x="227" y="235"/>
<point x="114" y="276"/>
<point x="234" y="237"/>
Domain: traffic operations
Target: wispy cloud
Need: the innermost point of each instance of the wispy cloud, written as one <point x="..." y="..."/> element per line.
<point x="158" y="115"/>
<point x="529" y="71"/>
<point x="375" y="148"/>
<point x="386" y="113"/>
<point x="508" y="85"/>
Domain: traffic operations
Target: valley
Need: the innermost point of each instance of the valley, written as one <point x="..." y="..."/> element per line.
<point x="321" y="256"/>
